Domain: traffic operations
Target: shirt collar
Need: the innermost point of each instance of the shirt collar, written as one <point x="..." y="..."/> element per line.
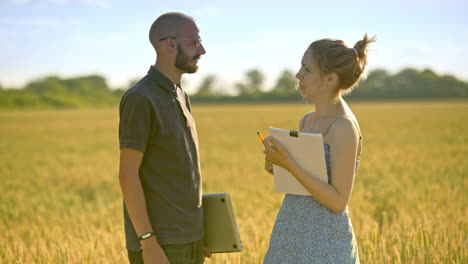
<point x="160" y="78"/>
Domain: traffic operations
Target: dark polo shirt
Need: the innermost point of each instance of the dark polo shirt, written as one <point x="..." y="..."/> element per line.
<point x="155" y="118"/>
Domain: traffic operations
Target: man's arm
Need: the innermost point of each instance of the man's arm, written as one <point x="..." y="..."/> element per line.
<point x="130" y="161"/>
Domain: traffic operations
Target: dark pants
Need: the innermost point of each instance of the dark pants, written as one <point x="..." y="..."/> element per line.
<point x="191" y="253"/>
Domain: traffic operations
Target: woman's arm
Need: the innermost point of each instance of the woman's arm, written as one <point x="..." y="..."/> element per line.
<point x="344" y="138"/>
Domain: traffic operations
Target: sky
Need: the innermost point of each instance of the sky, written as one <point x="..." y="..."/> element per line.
<point x="70" y="38"/>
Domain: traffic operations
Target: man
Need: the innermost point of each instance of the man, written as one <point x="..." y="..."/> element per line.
<point x="159" y="162"/>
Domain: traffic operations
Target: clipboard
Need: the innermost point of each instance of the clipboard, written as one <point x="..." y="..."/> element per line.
<point x="307" y="150"/>
<point x="219" y="223"/>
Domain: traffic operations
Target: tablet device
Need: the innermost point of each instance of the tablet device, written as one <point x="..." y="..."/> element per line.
<point x="219" y="223"/>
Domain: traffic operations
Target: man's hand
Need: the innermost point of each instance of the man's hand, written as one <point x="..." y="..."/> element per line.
<point x="207" y="252"/>
<point x="152" y="252"/>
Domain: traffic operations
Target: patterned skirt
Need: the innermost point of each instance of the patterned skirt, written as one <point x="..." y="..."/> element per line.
<point x="307" y="232"/>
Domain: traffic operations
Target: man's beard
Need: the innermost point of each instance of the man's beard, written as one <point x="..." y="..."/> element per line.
<point x="183" y="61"/>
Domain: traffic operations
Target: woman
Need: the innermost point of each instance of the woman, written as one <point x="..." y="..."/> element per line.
<point x="317" y="228"/>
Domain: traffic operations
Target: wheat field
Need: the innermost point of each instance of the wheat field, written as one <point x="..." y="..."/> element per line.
<point x="60" y="200"/>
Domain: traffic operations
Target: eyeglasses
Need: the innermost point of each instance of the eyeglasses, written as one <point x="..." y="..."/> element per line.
<point x="197" y="41"/>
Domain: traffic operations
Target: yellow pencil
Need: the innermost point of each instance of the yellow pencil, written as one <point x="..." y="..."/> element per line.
<point x="260" y="136"/>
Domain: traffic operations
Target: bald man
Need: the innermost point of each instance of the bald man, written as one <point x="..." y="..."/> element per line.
<point x="159" y="163"/>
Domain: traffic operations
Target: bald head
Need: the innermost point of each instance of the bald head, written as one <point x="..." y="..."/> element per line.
<point x="169" y="24"/>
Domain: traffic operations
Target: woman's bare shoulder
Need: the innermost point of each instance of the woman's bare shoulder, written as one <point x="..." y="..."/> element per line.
<point x="344" y="129"/>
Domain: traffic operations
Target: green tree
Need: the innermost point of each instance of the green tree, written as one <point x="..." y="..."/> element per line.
<point x="46" y="85"/>
<point x="374" y="86"/>
<point x="89" y="90"/>
<point x="252" y="85"/>
<point x="285" y="84"/>
<point x="206" y="87"/>
<point x="86" y="84"/>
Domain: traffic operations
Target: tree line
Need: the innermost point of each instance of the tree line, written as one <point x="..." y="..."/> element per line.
<point x="93" y="91"/>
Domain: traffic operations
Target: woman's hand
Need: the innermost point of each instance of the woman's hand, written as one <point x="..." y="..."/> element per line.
<point x="276" y="154"/>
